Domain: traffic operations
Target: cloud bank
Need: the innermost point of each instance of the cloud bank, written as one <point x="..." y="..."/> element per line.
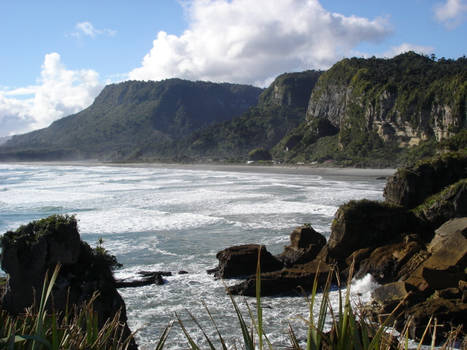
<point x="451" y="13"/>
<point x="253" y="41"/>
<point x="59" y="92"/>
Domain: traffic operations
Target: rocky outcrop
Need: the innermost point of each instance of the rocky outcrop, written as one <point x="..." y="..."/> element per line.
<point x="290" y="272"/>
<point x="367" y="224"/>
<point x="446" y="261"/>
<point x="241" y="261"/>
<point x="411" y="186"/>
<point x="305" y="244"/>
<point x="449" y="203"/>
<point x="32" y="250"/>
<point x="419" y="255"/>
<point x="293" y="280"/>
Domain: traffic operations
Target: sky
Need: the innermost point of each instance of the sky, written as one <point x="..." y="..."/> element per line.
<point x="56" y="56"/>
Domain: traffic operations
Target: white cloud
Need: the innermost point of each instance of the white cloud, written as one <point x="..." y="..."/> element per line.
<point x="87" y="29"/>
<point x="451" y="13"/>
<point x="405" y="47"/>
<point x="251" y="41"/>
<point x="59" y="92"/>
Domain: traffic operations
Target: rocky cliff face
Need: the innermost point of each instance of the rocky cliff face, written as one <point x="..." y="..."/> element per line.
<point x="404" y="100"/>
<point x="290" y="89"/>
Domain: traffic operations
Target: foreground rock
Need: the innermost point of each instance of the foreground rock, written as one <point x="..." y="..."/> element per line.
<point x="367" y="224"/>
<point x="241" y="261"/>
<point x="305" y="244"/>
<point x="33" y="249"/>
<point x="293" y="280"/>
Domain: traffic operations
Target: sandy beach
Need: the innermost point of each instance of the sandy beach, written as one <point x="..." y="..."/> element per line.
<point x="241" y="168"/>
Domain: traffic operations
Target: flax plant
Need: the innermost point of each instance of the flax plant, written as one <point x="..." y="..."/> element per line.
<point x="74" y="329"/>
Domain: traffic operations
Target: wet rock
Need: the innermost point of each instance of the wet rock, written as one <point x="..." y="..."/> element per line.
<point x="384" y="263"/>
<point x="288" y="280"/>
<point x="182" y="272"/>
<point x="147" y="279"/>
<point x="34" y="249"/>
<point x="241" y="260"/>
<point x="305" y="244"/>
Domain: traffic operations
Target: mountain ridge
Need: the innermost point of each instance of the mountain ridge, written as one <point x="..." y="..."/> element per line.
<point x="361" y="112"/>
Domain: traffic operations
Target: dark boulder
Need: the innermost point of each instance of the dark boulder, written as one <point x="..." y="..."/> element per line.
<point x="367" y="224"/>
<point x="242" y="260"/>
<point x="148" y="278"/>
<point x="34" y="249"/>
<point x="305" y="244"/>
<point x="410" y="186"/>
<point x="288" y="280"/>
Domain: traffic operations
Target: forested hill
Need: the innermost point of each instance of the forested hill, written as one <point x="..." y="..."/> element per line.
<point x="127" y="118"/>
<point x="361" y="112"/>
<point x="374" y="112"/>
<point x="281" y="108"/>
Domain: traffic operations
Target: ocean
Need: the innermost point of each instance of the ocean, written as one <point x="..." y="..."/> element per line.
<point x="173" y="218"/>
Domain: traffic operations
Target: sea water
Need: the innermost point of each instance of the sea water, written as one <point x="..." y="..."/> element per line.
<point x="164" y="218"/>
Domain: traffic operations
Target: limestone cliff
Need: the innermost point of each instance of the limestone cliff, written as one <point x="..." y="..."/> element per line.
<point x="372" y="112"/>
<point x="406" y="99"/>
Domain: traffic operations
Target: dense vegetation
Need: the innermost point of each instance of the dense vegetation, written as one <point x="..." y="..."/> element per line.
<point x="380" y="112"/>
<point x="361" y="112"/>
<point x="134" y="117"/>
<point x="280" y="109"/>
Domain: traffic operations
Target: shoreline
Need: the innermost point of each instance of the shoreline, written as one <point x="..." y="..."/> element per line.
<point x="240" y="168"/>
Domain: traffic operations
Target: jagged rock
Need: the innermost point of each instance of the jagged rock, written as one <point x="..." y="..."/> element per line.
<point x="410" y="186"/>
<point x="241" y="260"/>
<point x="390" y="293"/>
<point x="448" y="313"/>
<point x="447" y="204"/>
<point x="384" y="263"/>
<point x="287" y="280"/>
<point x="367" y="224"/>
<point x="305" y="244"/>
<point x="34" y="249"/>
<point x="447" y="260"/>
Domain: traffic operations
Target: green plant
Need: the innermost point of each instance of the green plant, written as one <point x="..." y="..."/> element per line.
<point x="75" y="328"/>
<point x="350" y="330"/>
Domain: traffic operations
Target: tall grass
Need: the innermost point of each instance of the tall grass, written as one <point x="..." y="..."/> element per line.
<point x="351" y="329"/>
<point x="78" y="328"/>
<point x="75" y="328"/>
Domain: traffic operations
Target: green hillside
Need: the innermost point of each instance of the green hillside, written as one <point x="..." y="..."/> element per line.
<point x="131" y="117"/>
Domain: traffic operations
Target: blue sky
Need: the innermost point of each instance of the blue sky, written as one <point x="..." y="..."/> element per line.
<point x="58" y="55"/>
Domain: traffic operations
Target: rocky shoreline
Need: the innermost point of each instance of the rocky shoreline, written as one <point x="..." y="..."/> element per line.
<point x="414" y="244"/>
